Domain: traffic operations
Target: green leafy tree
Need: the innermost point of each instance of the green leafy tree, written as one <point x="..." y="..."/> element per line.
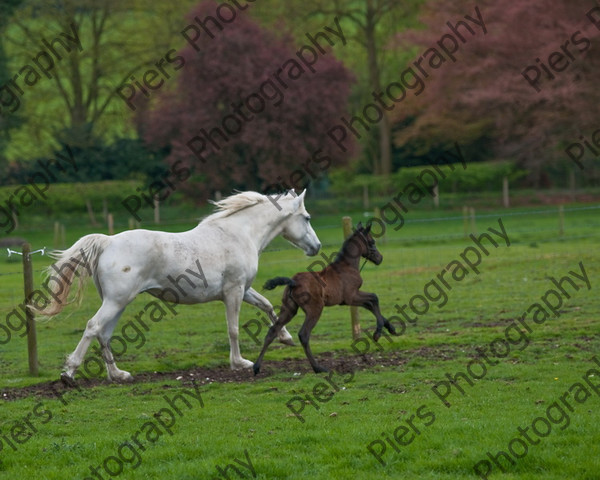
<point x="235" y="125"/>
<point x="371" y="26"/>
<point x="7" y="122"/>
<point x="78" y="105"/>
<point x="485" y="101"/>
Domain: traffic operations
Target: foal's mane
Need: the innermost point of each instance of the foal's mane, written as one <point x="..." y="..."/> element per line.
<point x="343" y="251"/>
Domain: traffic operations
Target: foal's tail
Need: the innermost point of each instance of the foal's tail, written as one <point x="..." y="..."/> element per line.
<point x="275" y="282"/>
<point x="81" y="260"/>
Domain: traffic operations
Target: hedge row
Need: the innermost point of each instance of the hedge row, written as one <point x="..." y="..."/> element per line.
<point x="68" y="197"/>
<point x="72" y="197"/>
<point x="476" y="177"/>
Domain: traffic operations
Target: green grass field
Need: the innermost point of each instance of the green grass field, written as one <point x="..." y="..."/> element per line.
<point x="534" y="381"/>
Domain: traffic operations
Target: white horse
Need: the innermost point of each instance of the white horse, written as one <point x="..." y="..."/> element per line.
<point x="216" y="260"/>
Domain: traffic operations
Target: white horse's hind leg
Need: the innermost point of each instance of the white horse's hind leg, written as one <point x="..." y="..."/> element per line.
<point x="233" y="302"/>
<point x="106" y="314"/>
<point x="114" y="374"/>
<point x="254" y="298"/>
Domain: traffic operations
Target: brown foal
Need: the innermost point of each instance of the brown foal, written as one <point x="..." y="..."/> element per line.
<point x="336" y="284"/>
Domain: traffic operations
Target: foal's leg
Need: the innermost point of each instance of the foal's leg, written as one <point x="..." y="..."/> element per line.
<point x="233" y="297"/>
<point x="254" y="298"/>
<point x="107" y="313"/>
<point x="371" y="303"/>
<point x="288" y="310"/>
<point x="313" y="313"/>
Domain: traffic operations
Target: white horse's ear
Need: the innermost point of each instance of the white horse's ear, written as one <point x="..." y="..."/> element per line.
<point x="298" y="201"/>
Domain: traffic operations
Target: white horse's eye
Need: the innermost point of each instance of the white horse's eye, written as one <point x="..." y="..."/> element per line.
<point x="307" y="218"/>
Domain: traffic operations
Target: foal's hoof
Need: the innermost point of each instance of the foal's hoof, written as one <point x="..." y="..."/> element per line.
<point x="319" y="369"/>
<point x="256" y="369"/>
<point x="67" y="380"/>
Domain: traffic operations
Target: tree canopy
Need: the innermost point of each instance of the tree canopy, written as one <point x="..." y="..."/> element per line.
<point x="521" y="91"/>
<point x="247" y="111"/>
<point x="144" y="88"/>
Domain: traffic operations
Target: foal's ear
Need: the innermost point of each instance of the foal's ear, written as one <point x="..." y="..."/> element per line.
<point x="359" y="226"/>
<point x="368" y="229"/>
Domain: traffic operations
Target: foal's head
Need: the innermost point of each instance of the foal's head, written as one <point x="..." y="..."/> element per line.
<point x="364" y="241"/>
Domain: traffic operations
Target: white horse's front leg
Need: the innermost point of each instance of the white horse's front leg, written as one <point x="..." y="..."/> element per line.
<point x="254" y="298"/>
<point x="233" y="302"/>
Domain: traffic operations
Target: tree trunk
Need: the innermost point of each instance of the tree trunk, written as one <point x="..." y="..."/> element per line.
<point x="384" y="166"/>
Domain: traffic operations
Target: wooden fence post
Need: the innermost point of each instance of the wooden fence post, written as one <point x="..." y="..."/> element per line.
<point x="156" y="210"/>
<point x="15" y="218"/>
<point x="572" y="184"/>
<point x="28" y="288"/>
<point x="377" y="214"/>
<point x="561" y="220"/>
<point x="355" y="320"/>
<point x="57" y="243"/>
<point x="104" y="208"/>
<point x="111" y="224"/>
<point x="473" y="226"/>
<point x="90" y="211"/>
<point x="505" y="197"/>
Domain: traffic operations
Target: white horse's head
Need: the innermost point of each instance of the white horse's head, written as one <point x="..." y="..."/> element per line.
<point x="297" y="228"/>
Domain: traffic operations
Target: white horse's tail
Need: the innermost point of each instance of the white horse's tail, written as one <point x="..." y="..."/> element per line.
<point x="81" y="260"/>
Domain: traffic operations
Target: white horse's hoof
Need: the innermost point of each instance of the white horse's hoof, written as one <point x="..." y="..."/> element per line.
<point x="121" y="376"/>
<point x="242" y="364"/>
<point x="67" y="380"/>
<point x="285" y="338"/>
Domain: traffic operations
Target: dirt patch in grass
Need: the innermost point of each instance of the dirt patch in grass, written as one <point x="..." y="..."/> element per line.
<point x="203" y="375"/>
<point x="501" y="322"/>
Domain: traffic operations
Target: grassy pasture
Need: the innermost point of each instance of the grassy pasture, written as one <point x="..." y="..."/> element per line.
<point x="390" y="394"/>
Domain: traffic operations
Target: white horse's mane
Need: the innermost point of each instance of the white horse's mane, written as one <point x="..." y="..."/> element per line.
<point x="235" y="203"/>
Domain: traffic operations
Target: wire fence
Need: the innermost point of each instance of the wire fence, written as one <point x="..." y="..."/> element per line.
<point x="461" y="230"/>
<point x="420" y="235"/>
<point x="530" y="227"/>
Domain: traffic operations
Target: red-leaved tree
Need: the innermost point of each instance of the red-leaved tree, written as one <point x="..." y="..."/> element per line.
<point x="485" y="93"/>
<point x="247" y="112"/>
